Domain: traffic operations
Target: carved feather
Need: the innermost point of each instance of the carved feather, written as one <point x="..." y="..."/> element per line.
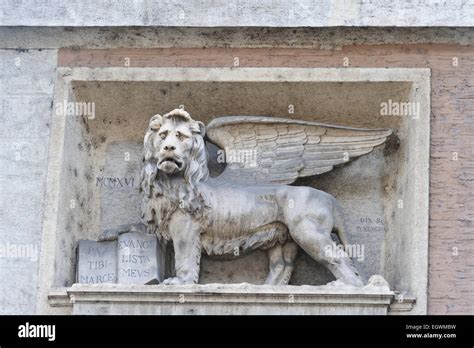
<point x="281" y="150"/>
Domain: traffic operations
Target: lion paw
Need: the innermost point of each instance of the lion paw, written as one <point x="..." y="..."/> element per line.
<point x="176" y="281"/>
<point x="108" y="235"/>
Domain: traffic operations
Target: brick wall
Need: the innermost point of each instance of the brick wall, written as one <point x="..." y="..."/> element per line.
<point x="451" y="239"/>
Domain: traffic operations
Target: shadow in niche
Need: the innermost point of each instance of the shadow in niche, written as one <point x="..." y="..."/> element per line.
<point x="253" y="268"/>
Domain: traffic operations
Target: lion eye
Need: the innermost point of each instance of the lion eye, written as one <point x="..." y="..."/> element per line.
<point x="181" y="136"/>
<point x="163" y="135"/>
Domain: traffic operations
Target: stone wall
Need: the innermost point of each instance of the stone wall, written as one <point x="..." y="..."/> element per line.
<point x="239" y="13"/>
<point x="26" y="91"/>
<point x="27" y="85"/>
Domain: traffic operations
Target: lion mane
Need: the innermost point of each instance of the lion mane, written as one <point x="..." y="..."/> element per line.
<point x="161" y="196"/>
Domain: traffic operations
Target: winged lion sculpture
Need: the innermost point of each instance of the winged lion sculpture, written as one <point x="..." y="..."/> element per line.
<point x="250" y="205"/>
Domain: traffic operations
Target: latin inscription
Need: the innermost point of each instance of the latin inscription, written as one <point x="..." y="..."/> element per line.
<point x="137" y="262"/>
<point x="133" y="259"/>
<point x="97" y="262"/>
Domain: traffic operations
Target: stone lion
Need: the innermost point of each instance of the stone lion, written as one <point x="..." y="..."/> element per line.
<point x="249" y="206"/>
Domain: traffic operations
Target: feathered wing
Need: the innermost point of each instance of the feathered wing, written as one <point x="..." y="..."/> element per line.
<point x="264" y="150"/>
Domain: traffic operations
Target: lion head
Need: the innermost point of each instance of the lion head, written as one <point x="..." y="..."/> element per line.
<point x="174" y="162"/>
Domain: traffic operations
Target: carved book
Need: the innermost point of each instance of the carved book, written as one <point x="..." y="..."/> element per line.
<point x="135" y="258"/>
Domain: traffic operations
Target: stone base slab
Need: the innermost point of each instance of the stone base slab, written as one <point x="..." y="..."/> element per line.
<point x="225" y="299"/>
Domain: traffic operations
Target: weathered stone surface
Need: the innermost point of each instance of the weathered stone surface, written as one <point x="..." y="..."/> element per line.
<point x="263" y="13"/>
<point x="118" y="184"/>
<point x="244" y="37"/>
<point x="138" y="257"/>
<point x="96" y="262"/>
<point x="26" y="94"/>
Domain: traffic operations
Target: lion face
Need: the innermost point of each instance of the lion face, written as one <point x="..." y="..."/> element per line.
<point x="174" y="164"/>
<point x="172" y="140"/>
<point x="172" y="145"/>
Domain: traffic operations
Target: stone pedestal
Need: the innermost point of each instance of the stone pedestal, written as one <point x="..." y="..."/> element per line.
<point x="233" y="299"/>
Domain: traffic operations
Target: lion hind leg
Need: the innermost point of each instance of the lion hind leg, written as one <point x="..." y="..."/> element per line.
<point x="290" y="250"/>
<point x="275" y="263"/>
<point x="315" y="240"/>
<point x="281" y="262"/>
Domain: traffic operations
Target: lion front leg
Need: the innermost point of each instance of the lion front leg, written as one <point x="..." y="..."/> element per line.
<point x="186" y="237"/>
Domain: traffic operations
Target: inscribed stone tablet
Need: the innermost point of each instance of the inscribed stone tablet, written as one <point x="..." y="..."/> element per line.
<point x="137" y="258"/>
<point x="97" y="262"/>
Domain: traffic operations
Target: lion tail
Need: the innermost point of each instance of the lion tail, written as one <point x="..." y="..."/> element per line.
<point x="340" y="226"/>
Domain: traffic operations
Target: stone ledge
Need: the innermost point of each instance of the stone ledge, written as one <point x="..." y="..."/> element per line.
<point x="59" y="298"/>
<point x="244" y="299"/>
<point x="402" y="305"/>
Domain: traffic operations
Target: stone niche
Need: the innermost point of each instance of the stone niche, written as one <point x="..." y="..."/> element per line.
<point x="95" y="158"/>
